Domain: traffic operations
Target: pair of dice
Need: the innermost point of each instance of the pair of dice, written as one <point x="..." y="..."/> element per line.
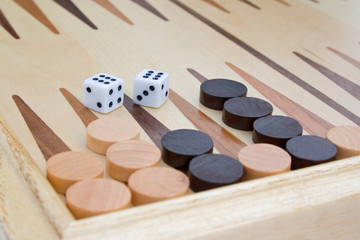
<point x="104" y="92"/>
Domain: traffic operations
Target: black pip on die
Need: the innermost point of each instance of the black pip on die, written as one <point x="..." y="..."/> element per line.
<point x="103" y="92"/>
<point x="151" y="88"/>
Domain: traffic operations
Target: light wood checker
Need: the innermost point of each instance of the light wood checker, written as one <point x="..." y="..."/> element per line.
<point x="261" y="160"/>
<point x="155" y="184"/>
<point x="301" y="55"/>
<point x="103" y="132"/>
<point x="67" y="168"/>
<point x="346" y="139"/>
<point x="92" y="197"/>
<point x="126" y="157"/>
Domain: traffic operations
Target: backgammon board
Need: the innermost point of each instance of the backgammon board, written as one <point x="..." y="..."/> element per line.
<point x="303" y="56"/>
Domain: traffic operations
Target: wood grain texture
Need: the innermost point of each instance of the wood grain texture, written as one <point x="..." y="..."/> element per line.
<point x="47" y="211"/>
<point x="126" y="157"/>
<point x="103" y="132"/>
<point x="346" y="139"/>
<point x="197" y="75"/>
<point x="32" y="8"/>
<point x="283" y="3"/>
<point x="155" y="184"/>
<point x="111" y="8"/>
<point x="249" y="3"/>
<point x="7" y="26"/>
<point x="283" y="71"/>
<point x="325" y="219"/>
<point x="146" y="5"/>
<point x="153" y="127"/>
<point x="217" y="5"/>
<point x="262" y="159"/>
<point x="347" y="58"/>
<point x="49" y="143"/>
<point x="74" y="10"/>
<point x="92" y="197"/>
<point x="312" y="123"/>
<point x="225" y="142"/>
<point x="85" y="114"/>
<point x="309" y="203"/>
<point x="66" y="168"/>
<point x="346" y="84"/>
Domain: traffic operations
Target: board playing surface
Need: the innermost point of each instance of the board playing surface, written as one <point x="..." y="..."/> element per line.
<point x="302" y="56"/>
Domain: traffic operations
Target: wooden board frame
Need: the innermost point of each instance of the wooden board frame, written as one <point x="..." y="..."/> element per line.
<point x="320" y="202"/>
<point x="304" y="59"/>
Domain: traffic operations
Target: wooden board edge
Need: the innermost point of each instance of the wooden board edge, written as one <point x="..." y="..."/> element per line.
<point x="27" y="198"/>
<point x="320" y="202"/>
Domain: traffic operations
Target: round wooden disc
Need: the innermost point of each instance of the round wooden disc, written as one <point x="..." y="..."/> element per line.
<point x="275" y="130"/>
<point x="97" y="196"/>
<point x="125" y="157"/>
<point x="104" y="132"/>
<point x="346" y="139"/>
<point x="241" y="112"/>
<point x="178" y="147"/>
<point x="209" y="171"/>
<point x="154" y="184"/>
<point x="308" y="150"/>
<point x="214" y="92"/>
<point x="262" y="159"/>
<point x="67" y="168"/>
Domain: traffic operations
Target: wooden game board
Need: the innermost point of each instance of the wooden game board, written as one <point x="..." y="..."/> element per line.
<point x="301" y="55"/>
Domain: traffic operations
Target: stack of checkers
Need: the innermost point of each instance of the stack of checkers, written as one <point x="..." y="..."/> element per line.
<point x="135" y="177"/>
<point x="279" y="144"/>
<point x="132" y="164"/>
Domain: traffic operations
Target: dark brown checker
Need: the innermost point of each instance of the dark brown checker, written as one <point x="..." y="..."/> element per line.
<point x="214" y="92"/>
<point x="310" y="150"/>
<point x="209" y="171"/>
<point x="241" y="112"/>
<point x="178" y="147"/>
<point x="276" y="130"/>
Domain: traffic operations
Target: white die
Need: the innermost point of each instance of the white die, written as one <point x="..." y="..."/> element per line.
<point x="103" y="92"/>
<point x="151" y="88"/>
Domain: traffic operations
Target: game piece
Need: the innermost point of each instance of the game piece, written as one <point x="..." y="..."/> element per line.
<point x="178" y="147"/>
<point x="97" y="196"/>
<point x="67" y="168"/>
<point x="103" y="132"/>
<point x="209" y="171"/>
<point x="151" y="88"/>
<point x="310" y="150"/>
<point x="154" y="184"/>
<point x="275" y="130"/>
<point x="346" y="139"/>
<point x="125" y="157"/>
<point x="262" y="159"/>
<point x="214" y="92"/>
<point x="241" y="112"/>
<point x="103" y="92"/>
